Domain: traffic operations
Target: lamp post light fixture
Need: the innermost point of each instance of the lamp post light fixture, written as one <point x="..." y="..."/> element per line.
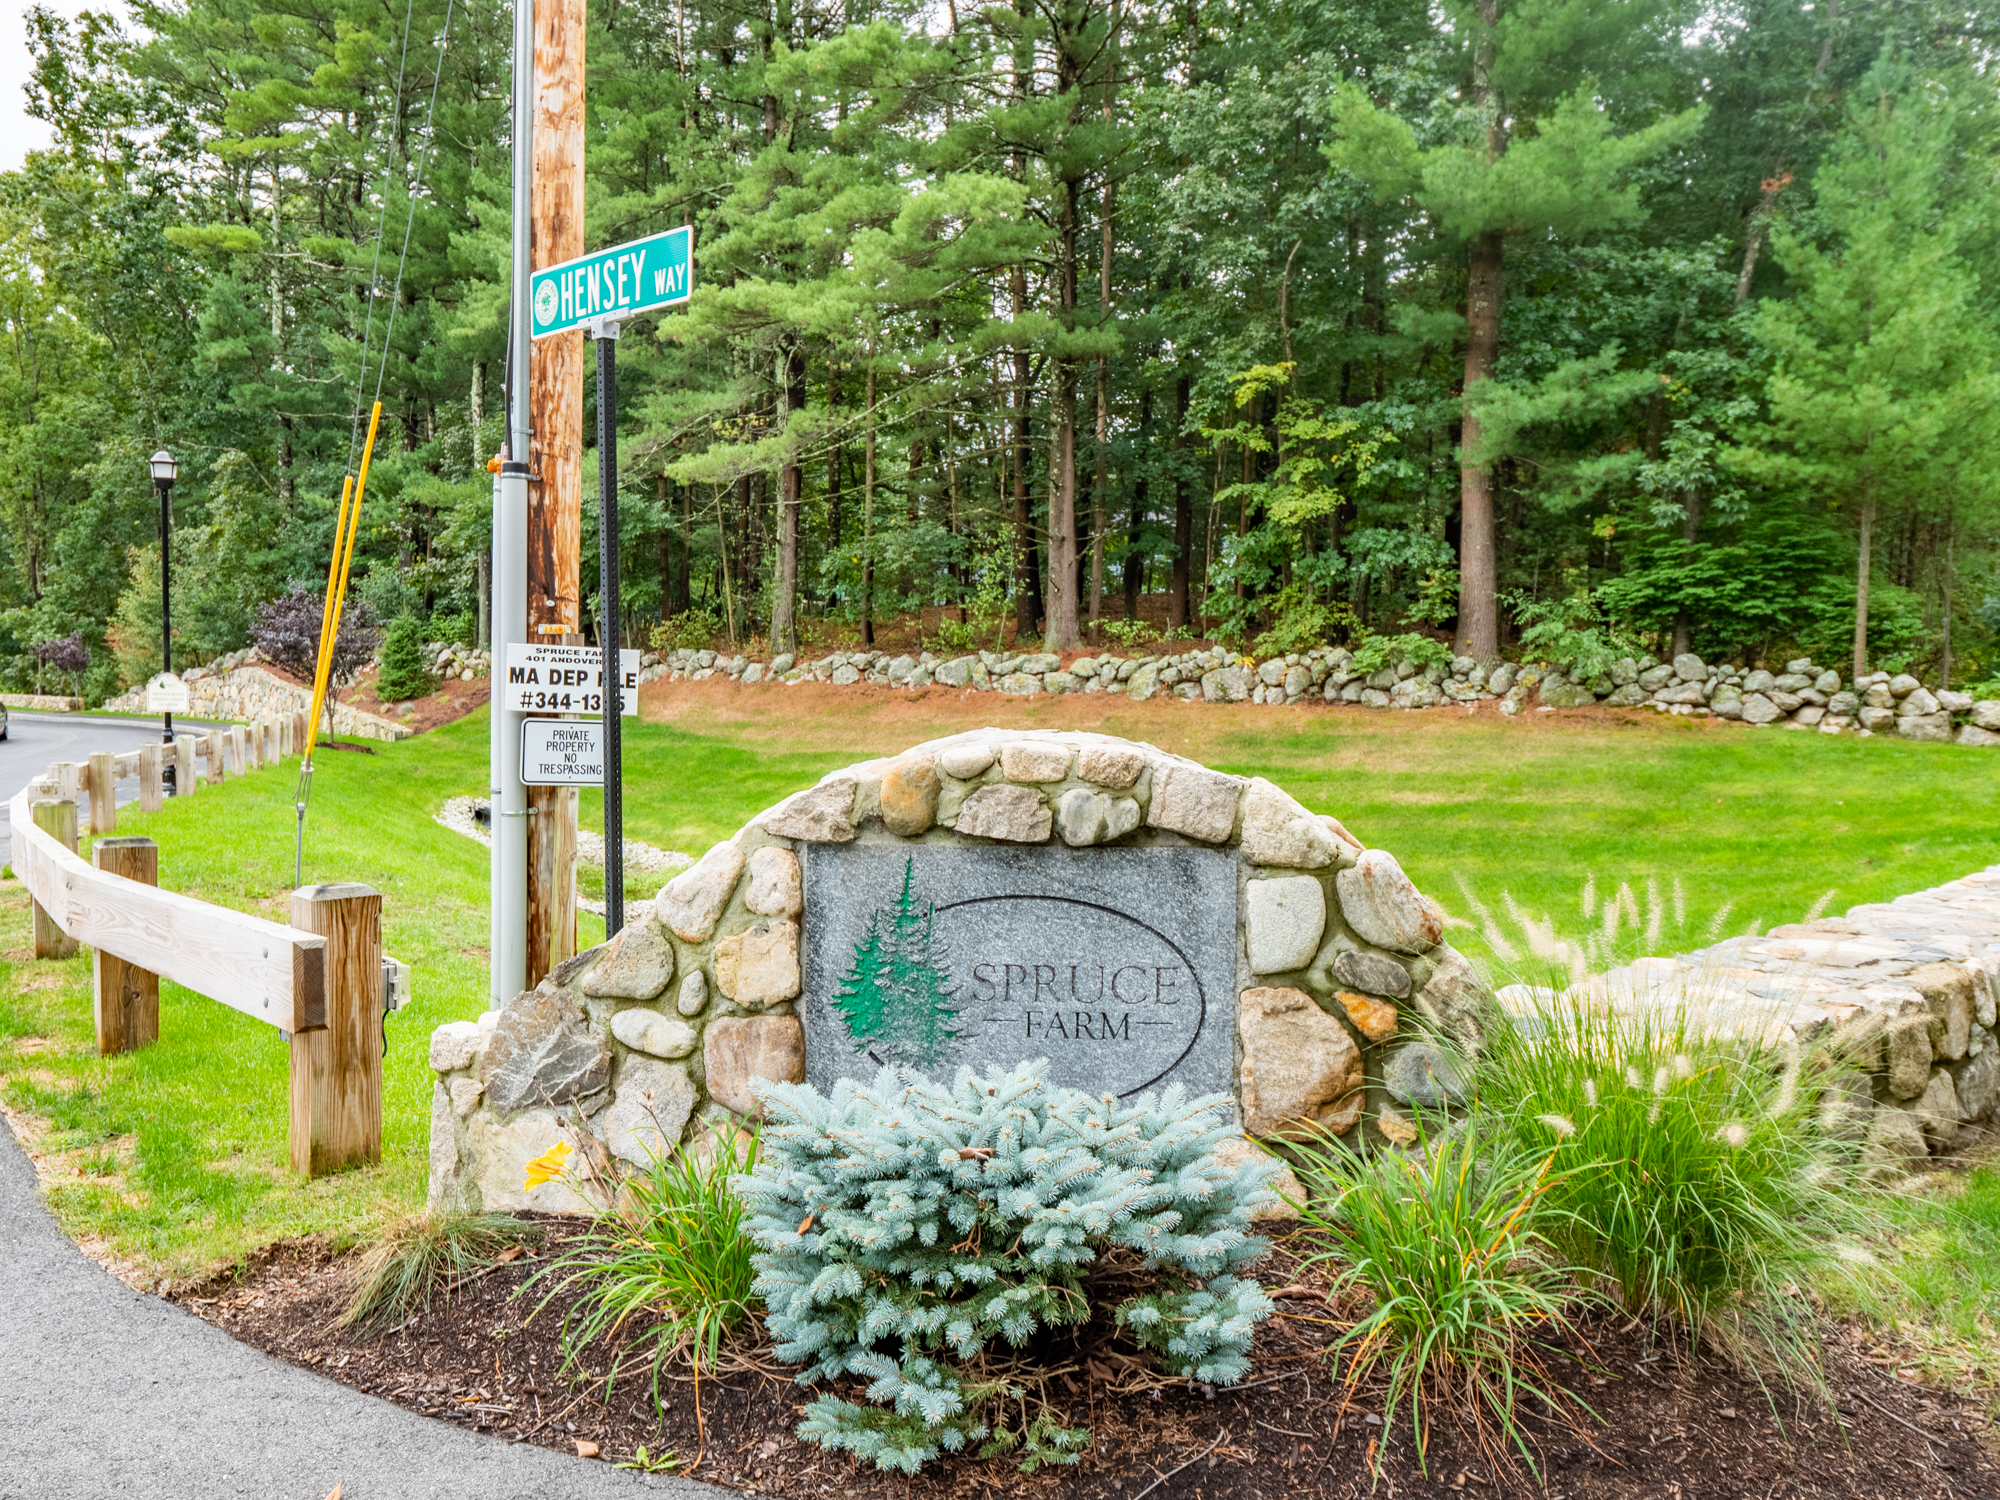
<point x="165" y="468"/>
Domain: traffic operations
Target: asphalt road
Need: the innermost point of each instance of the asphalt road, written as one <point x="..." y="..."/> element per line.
<point x="110" y="1392"/>
<point x="36" y="741"/>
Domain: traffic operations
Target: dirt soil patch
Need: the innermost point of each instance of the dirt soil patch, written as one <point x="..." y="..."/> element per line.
<point x="1671" y="1424"/>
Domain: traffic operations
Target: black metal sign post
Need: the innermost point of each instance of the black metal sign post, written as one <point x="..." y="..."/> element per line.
<point x="605" y="333"/>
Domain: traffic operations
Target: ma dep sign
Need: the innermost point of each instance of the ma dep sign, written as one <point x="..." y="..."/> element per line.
<point x="562" y="752"/>
<point x="565" y="680"/>
<point x="617" y="283"/>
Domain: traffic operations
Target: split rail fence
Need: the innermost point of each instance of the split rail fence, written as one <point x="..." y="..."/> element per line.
<point x="321" y="980"/>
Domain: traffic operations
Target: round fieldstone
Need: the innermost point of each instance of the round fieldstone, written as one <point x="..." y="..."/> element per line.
<point x="693" y="900"/>
<point x="1300" y="1067"/>
<point x="1424" y="1076"/>
<point x="1286" y="919"/>
<point x="648" y="1031"/>
<point x="1376" y="973"/>
<point x="1384" y="908"/>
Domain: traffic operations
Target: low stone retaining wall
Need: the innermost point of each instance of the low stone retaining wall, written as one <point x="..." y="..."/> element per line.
<point x="251" y="692"/>
<point x="1803" y="696"/>
<point x="1906" y="992"/>
<point x="45" y="703"/>
<point x="1141" y="919"/>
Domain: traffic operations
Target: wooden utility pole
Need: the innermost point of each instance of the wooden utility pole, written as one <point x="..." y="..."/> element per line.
<point x="555" y="486"/>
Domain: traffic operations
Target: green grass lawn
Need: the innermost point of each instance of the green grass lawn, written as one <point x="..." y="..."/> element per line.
<point x="174" y="1157"/>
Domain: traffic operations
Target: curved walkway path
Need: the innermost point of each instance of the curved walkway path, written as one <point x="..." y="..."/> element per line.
<point x="109" y="1392"/>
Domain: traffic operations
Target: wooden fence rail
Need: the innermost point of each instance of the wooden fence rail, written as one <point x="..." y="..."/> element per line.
<point x="325" y="988"/>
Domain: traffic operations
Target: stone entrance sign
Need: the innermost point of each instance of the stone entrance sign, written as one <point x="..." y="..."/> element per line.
<point x="1117" y="965"/>
<point x="999" y="895"/>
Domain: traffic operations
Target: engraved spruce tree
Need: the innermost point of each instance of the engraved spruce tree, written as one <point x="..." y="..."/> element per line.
<point x="896" y="995"/>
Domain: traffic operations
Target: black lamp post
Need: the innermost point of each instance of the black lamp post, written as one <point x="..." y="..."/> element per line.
<point x="164" y="470"/>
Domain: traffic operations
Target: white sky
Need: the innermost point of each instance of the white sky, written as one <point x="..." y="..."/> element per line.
<point x="18" y="133"/>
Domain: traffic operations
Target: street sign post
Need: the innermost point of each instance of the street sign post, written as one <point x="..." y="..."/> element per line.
<point x="599" y="291"/>
<point x="562" y="752"/>
<point x="614" y="284"/>
<point x="166" y="693"/>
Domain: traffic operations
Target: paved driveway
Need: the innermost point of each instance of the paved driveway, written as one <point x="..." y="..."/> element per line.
<point x="107" y="1392"/>
<point x="36" y="741"/>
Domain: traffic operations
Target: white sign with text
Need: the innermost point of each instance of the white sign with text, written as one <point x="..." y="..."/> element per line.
<point x="565" y="680"/>
<point x="562" y="752"/>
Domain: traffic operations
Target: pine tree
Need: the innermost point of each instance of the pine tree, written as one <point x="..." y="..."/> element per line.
<point x="402" y="673"/>
<point x="1541" y="154"/>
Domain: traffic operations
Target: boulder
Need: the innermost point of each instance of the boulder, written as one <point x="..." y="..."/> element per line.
<point x="909" y="796"/>
<point x="1921" y="701"/>
<point x="636" y="964"/>
<point x="1986" y="714"/>
<point x="693" y="996"/>
<point x="1384" y="908"/>
<point x="1109" y="765"/>
<point x="1020" y="685"/>
<point x="1034" y="761"/>
<point x="542" y="1051"/>
<point x="1424" y="1076"/>
<point x="1376" y="973"/>
<point x="1972" y="734"/>
<point x="761" y="966"/>
<point x="774" y="883"/>
<point x="1144" y="682"/>
<point x="1874" y="717"/>
<point x="1937" y="1111"/>
<point x="1285" y="919"/>
<point x="1759" y="709"/>
<point x="1456" y="1000"/>
<point x="1084" y="817"/>
<point x="1895" y="1140"/>
<point x="1907" y="1043"/>
<point x="1690" y="668"/>
<point x="1903" y="684"/>
<point x="1375" y="1019"/>
<point x="1976" y="1081"/>
<point x="648" y="1112"/>
<point x="646" y="1030"/>
<point x="1300" y="1067"/>
<point x="1014" y="814"/>
<point x="1947" y="990"/>
<point x="1278" y="831"/>
<point x="1933" y="727"/>
<point x="693" y="900"/>
<point x="819" y="815"/>
<point x="1193" y="800"/>
<point x="454" y="1044"/>
<point x="500" y="1153"/>
<point x="966" y="761"/>
<point x="738" y="1049"/>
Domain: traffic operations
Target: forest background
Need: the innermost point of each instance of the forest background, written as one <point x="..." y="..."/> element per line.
<point x="1663" y="325"/>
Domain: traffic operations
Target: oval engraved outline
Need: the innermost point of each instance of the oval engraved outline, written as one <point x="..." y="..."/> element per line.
<point x="1201" y="993"/>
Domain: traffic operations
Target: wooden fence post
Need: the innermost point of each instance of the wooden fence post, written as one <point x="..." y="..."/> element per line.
<point x="213" y="743"/>
<point x="284" y="729"/>
<point x="103" y="795"/>
<point x="337" y="1072"/>
<point x="56" y="818"/>
<point x="187" y="769"/>
<point x="126" y="999"/>
<point x="152" y="795"/>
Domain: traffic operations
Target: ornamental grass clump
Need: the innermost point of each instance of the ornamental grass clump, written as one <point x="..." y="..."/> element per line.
<point x="664" y="1272"/>
<point x="922" y="1236"/>
<point x="1694" y="1176"/>
<point x="1465" y="1295"/>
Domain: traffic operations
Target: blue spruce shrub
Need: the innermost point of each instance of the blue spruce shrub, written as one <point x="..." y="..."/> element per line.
<point x="905" y="1226"/>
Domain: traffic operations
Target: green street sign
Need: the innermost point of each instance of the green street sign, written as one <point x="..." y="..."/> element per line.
<point x="613" y="284"/>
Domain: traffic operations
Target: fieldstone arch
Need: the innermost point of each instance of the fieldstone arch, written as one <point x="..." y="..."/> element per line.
<point x="1308" y="950"/>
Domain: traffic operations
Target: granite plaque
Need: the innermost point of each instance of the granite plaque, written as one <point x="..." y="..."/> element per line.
<point x="1117" y="965"/>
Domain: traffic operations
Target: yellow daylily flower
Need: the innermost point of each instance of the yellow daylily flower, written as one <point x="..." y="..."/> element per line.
<point x="547" y="1166"/>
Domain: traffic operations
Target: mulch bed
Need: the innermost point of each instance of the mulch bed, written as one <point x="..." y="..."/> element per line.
<point x="1671" y="1424"/>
